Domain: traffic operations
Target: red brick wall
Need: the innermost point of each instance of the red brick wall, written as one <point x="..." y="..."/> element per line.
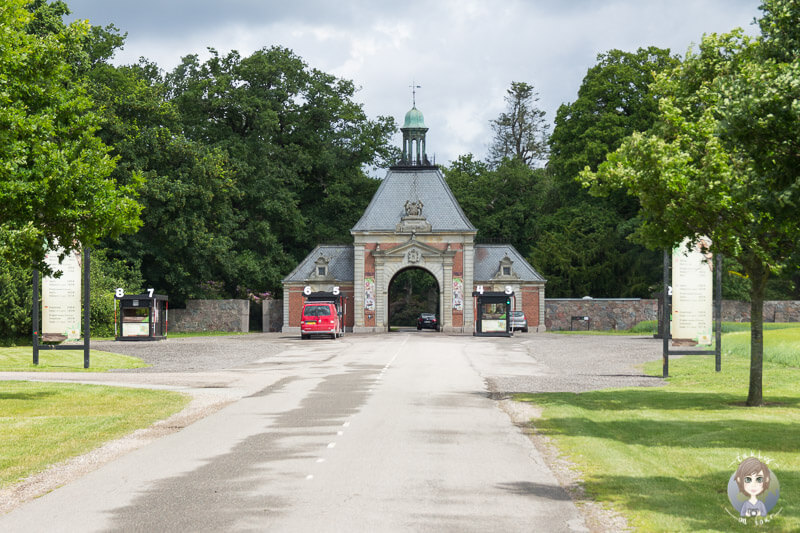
<point x="295" y="305"/>
<point x="530" y="305"/>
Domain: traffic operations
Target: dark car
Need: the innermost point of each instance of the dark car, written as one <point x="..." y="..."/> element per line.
<point x="518" y="321"/>
<point x="427" y="320"/>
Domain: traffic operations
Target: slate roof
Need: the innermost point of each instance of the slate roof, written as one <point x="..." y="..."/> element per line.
<point x="487" y="263"/>
<point x="440" y="207"/>
<point x="340" y="264"/>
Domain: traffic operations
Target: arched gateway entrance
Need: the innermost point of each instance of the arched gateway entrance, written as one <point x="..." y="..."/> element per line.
<point x="413" y="291"/>
<point x="413" y="222"/>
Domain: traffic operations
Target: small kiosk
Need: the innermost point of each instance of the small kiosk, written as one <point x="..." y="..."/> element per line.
<point x="492" y="311"/>
<point x="142" y="317"/>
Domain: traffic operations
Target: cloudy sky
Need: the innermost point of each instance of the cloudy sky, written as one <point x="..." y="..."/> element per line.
<point x="464" y="53"/>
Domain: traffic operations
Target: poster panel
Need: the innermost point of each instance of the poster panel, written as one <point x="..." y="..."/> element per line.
<point x="458" y="294"/>
<point x="61" y="298"/>
<point x="369" y="294"/>
<point x="692" y="293"/>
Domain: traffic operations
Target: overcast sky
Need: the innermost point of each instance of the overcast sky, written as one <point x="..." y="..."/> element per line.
<point x="464" y="53"/>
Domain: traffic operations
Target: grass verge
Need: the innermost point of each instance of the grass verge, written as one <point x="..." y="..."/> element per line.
<point x="663" y="456"/>
<point x="44" y="423"/>
<point x="20" y="359"/>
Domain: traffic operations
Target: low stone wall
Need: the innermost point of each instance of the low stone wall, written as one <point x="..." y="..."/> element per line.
<point x="272" y="315"/>
<point x="623" y="313"/>
<point x="602" y="313"/>
<point x="211" y="315"/>
<point x="774" y="311"/>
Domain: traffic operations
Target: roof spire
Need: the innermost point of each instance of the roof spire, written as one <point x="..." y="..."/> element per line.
<point x="414" y="88"/>
<point x="414" y="134"/>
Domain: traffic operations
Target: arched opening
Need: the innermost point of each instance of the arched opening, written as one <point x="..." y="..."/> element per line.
<point x="412" y="291"/>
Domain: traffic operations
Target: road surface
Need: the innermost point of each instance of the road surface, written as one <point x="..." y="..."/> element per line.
<point x="372" y="433"/>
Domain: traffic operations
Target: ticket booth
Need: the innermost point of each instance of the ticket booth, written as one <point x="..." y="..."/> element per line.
<point x="492" y="313"/>
<point x="142" y="317"/>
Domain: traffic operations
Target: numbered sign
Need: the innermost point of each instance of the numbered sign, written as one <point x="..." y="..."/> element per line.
<point x="307" y="290"/>
<point x="509" y="290"/>
<point x="336" y="291"/>
<point x="479" y="289"/>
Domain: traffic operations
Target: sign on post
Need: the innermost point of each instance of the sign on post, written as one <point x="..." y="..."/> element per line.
<point x="61" y="298"/>
<point x="692" y="293"/>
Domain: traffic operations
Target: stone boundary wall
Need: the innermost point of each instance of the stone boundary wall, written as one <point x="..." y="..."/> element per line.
<point x="272" y="315"/>
<point x="774" y="311"/>
<point x="624" y="313"/>
<point x="211" y="315"/>
<point x="603" y="313"/>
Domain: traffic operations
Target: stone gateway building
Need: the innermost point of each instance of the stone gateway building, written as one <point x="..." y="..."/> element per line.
<point x="413" y="221"/>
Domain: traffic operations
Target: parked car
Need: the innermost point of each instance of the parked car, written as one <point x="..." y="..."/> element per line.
<point x="427" y="320"/>
<point x="320" y="318"/>
<point x="518" y="321"/>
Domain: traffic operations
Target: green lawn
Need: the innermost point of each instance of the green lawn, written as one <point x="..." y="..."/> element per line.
<point x="663" y="456"/>
<point x="45" y="423"/>
<point x="20" y="358"/>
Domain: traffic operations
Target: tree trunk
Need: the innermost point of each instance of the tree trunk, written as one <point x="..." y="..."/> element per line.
<point x="758" y="277"/>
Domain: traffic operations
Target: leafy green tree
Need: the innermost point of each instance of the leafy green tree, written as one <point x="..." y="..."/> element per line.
<point x="521" y="131"/>
<point x="189" y="223"/>
<point x="614" y="100"/>
<point x="105" y="276"/>
<point x="501" y="202"/>
<point x="54" y="172"/>
<point x="16" y="297"/>
<point x="296" y="146"/>
<point x="722" y="158"/>
<point x="582" y="243"/>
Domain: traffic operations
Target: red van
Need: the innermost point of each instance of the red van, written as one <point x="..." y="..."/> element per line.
<point x="320" y="318"/>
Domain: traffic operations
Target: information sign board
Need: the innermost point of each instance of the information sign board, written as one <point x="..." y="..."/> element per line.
<point x="61" y="298"/>
<point x="692" y="293"/>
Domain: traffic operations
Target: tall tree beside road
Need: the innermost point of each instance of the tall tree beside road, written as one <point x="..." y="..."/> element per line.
<point x="55" y="187"/>
<point x="581" y="242"/>
<point x="521" y="131"/>
<point x="722" y="159"/>
<point x="502" y="202"/>
<point x="296" y="145"/>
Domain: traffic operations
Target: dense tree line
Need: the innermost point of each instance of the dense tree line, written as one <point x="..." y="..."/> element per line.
<point x="213" y="179"/>
<point x="722" y="158"/>
<point x="216" y="178"/>
<point x="584" y="245"/>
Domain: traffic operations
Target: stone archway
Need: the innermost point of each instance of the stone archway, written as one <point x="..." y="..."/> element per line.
<point x="438" y="262"/>
<point x="403" y="307"/>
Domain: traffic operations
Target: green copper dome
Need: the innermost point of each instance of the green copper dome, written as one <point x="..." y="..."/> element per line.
<point x="414" y="119"/>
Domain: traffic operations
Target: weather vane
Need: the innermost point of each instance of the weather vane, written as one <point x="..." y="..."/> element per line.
<point x="414" y="88"/>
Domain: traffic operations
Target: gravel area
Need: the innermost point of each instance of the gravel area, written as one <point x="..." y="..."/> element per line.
<point x="199" y="354"/>
<point x="564" y="363"/>
<point x="578" y="363"/>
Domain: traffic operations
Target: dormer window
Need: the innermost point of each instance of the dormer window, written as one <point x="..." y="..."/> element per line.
<point x="321" y="268"/>
<point x="505" y="270"/>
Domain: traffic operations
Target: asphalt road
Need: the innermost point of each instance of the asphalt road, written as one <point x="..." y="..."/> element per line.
<point x="394" y="432"/>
